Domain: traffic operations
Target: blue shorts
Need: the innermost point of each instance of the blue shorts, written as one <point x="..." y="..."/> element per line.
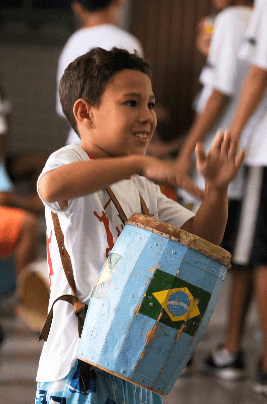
<point x="98" y="388"/>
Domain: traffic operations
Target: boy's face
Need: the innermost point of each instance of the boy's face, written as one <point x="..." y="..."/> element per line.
<point x="125" y="121"/>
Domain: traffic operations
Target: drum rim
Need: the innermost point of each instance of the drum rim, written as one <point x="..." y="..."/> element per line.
<point x="183" y="237"/>
<point x="128" y="379"/>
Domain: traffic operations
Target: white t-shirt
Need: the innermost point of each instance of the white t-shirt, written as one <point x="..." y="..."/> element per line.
<point x="202" y="97"/>
<point x="90" y="226"/>
<point x="254" y="50"/>
<point x="105" y="36"/>
<point x="225" y="72"/>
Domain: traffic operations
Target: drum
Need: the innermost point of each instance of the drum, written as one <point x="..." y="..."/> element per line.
<point x="152" y="303"/>
<point x="33" y="294"/>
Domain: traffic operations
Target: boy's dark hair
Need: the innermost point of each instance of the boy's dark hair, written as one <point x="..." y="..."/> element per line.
<point x="88" y="75"/>
<point x="94" y="5"/>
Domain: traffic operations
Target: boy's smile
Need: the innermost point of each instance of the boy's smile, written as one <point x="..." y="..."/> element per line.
<point x="125" y="121"/>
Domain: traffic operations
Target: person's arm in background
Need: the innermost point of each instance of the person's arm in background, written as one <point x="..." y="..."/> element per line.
<point x="4" y="133"/>
<point x="220" y="77"/>
<point x="5" y="109"/>
<point x="203" y="123"/>
<point x="253" y="89"/>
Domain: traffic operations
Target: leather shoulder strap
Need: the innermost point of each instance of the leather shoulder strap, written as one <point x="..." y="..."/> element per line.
<point x="144" y="207"/>
<point x="121" y="212"/>
<point x="80" y="308"/>
<point x="64" y="255"/>
<point x="117" y="204"/>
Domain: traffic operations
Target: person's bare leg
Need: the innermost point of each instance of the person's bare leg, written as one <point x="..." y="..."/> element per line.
<point x="261" y="295"/>
<point x="30" y="203"/>
<point x="241" y="293"/>
<point x="27" y="249"/>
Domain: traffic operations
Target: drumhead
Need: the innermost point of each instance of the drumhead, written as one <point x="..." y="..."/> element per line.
<point x="33" y="292"/>
<point x="181" y="236"/>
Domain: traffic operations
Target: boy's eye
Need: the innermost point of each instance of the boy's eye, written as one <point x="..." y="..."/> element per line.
<point x="151" y="105"/>
<point x="132" y="103"/>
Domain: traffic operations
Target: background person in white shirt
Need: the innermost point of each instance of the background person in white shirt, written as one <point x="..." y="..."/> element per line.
<point x="222" y="79"/>
<point x="253" y="244"/>
<point x="98" y="19"/>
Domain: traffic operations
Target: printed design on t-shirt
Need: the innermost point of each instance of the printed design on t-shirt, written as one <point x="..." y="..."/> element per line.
<point x="118" y="230"/>
<point x="106" y="274"/>
<point x="49" y="261"/>
<point x="105" y="220"/>
<point x="175" y="302"/>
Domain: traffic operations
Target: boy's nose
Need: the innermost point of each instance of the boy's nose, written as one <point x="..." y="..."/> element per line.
<point x="147" y="115"/>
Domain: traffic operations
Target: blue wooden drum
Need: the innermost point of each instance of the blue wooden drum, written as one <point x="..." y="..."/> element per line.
<point x="152" y="303"/>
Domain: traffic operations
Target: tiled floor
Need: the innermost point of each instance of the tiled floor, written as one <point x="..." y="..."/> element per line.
<point x="20" y="353"/>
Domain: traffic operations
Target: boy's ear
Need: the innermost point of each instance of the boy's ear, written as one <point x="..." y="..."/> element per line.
<point x="82" y="112"/>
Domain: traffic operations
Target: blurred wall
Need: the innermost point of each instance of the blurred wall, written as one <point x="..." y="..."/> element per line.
<point x="167" y="30"/>
<point x="32" y="34"/>
<point x="31" y="38"/>
<point x="28" y="75"/>
<point x="30" y="43"/>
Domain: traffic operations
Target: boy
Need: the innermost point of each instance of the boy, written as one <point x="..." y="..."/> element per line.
<point x="108" y="99"/>
<point x="98" y="28"/>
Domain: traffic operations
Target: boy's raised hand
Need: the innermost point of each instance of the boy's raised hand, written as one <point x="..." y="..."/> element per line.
<point x="223" y="161"/>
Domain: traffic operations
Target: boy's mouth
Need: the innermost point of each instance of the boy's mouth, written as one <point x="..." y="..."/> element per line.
<point x="141" y="135"/>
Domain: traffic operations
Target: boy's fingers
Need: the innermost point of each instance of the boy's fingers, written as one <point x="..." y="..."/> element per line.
<point x="233" y="151"/>
<point x="226" y="143"/>
<point x="200" y="153"/>
<point x="217" y="142"/>
<point x="239" y="159"/>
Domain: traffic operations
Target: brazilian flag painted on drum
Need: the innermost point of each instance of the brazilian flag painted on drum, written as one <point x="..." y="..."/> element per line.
<point x="175" y="302"/>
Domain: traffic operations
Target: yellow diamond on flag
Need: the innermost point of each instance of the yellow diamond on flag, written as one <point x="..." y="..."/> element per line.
<point x="179" y="303"/>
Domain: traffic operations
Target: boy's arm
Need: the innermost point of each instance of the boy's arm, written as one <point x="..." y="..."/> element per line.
<point x="85" y="177"/>
<point x="211" y="218"/>
<point x="218" y="168"/>
<point x="203" y="123"/>
<point x="254" y="87"/>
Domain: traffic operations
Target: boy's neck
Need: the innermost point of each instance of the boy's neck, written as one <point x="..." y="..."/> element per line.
<point x="100" y="18"/>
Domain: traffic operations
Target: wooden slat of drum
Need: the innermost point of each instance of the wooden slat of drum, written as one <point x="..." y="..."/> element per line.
<point x="190" y="240"/>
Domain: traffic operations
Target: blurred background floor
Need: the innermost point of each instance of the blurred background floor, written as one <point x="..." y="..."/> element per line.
<point x="20" y="354"/>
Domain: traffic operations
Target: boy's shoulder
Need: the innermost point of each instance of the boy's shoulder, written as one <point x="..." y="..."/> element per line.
<point x="68" y="154"/>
